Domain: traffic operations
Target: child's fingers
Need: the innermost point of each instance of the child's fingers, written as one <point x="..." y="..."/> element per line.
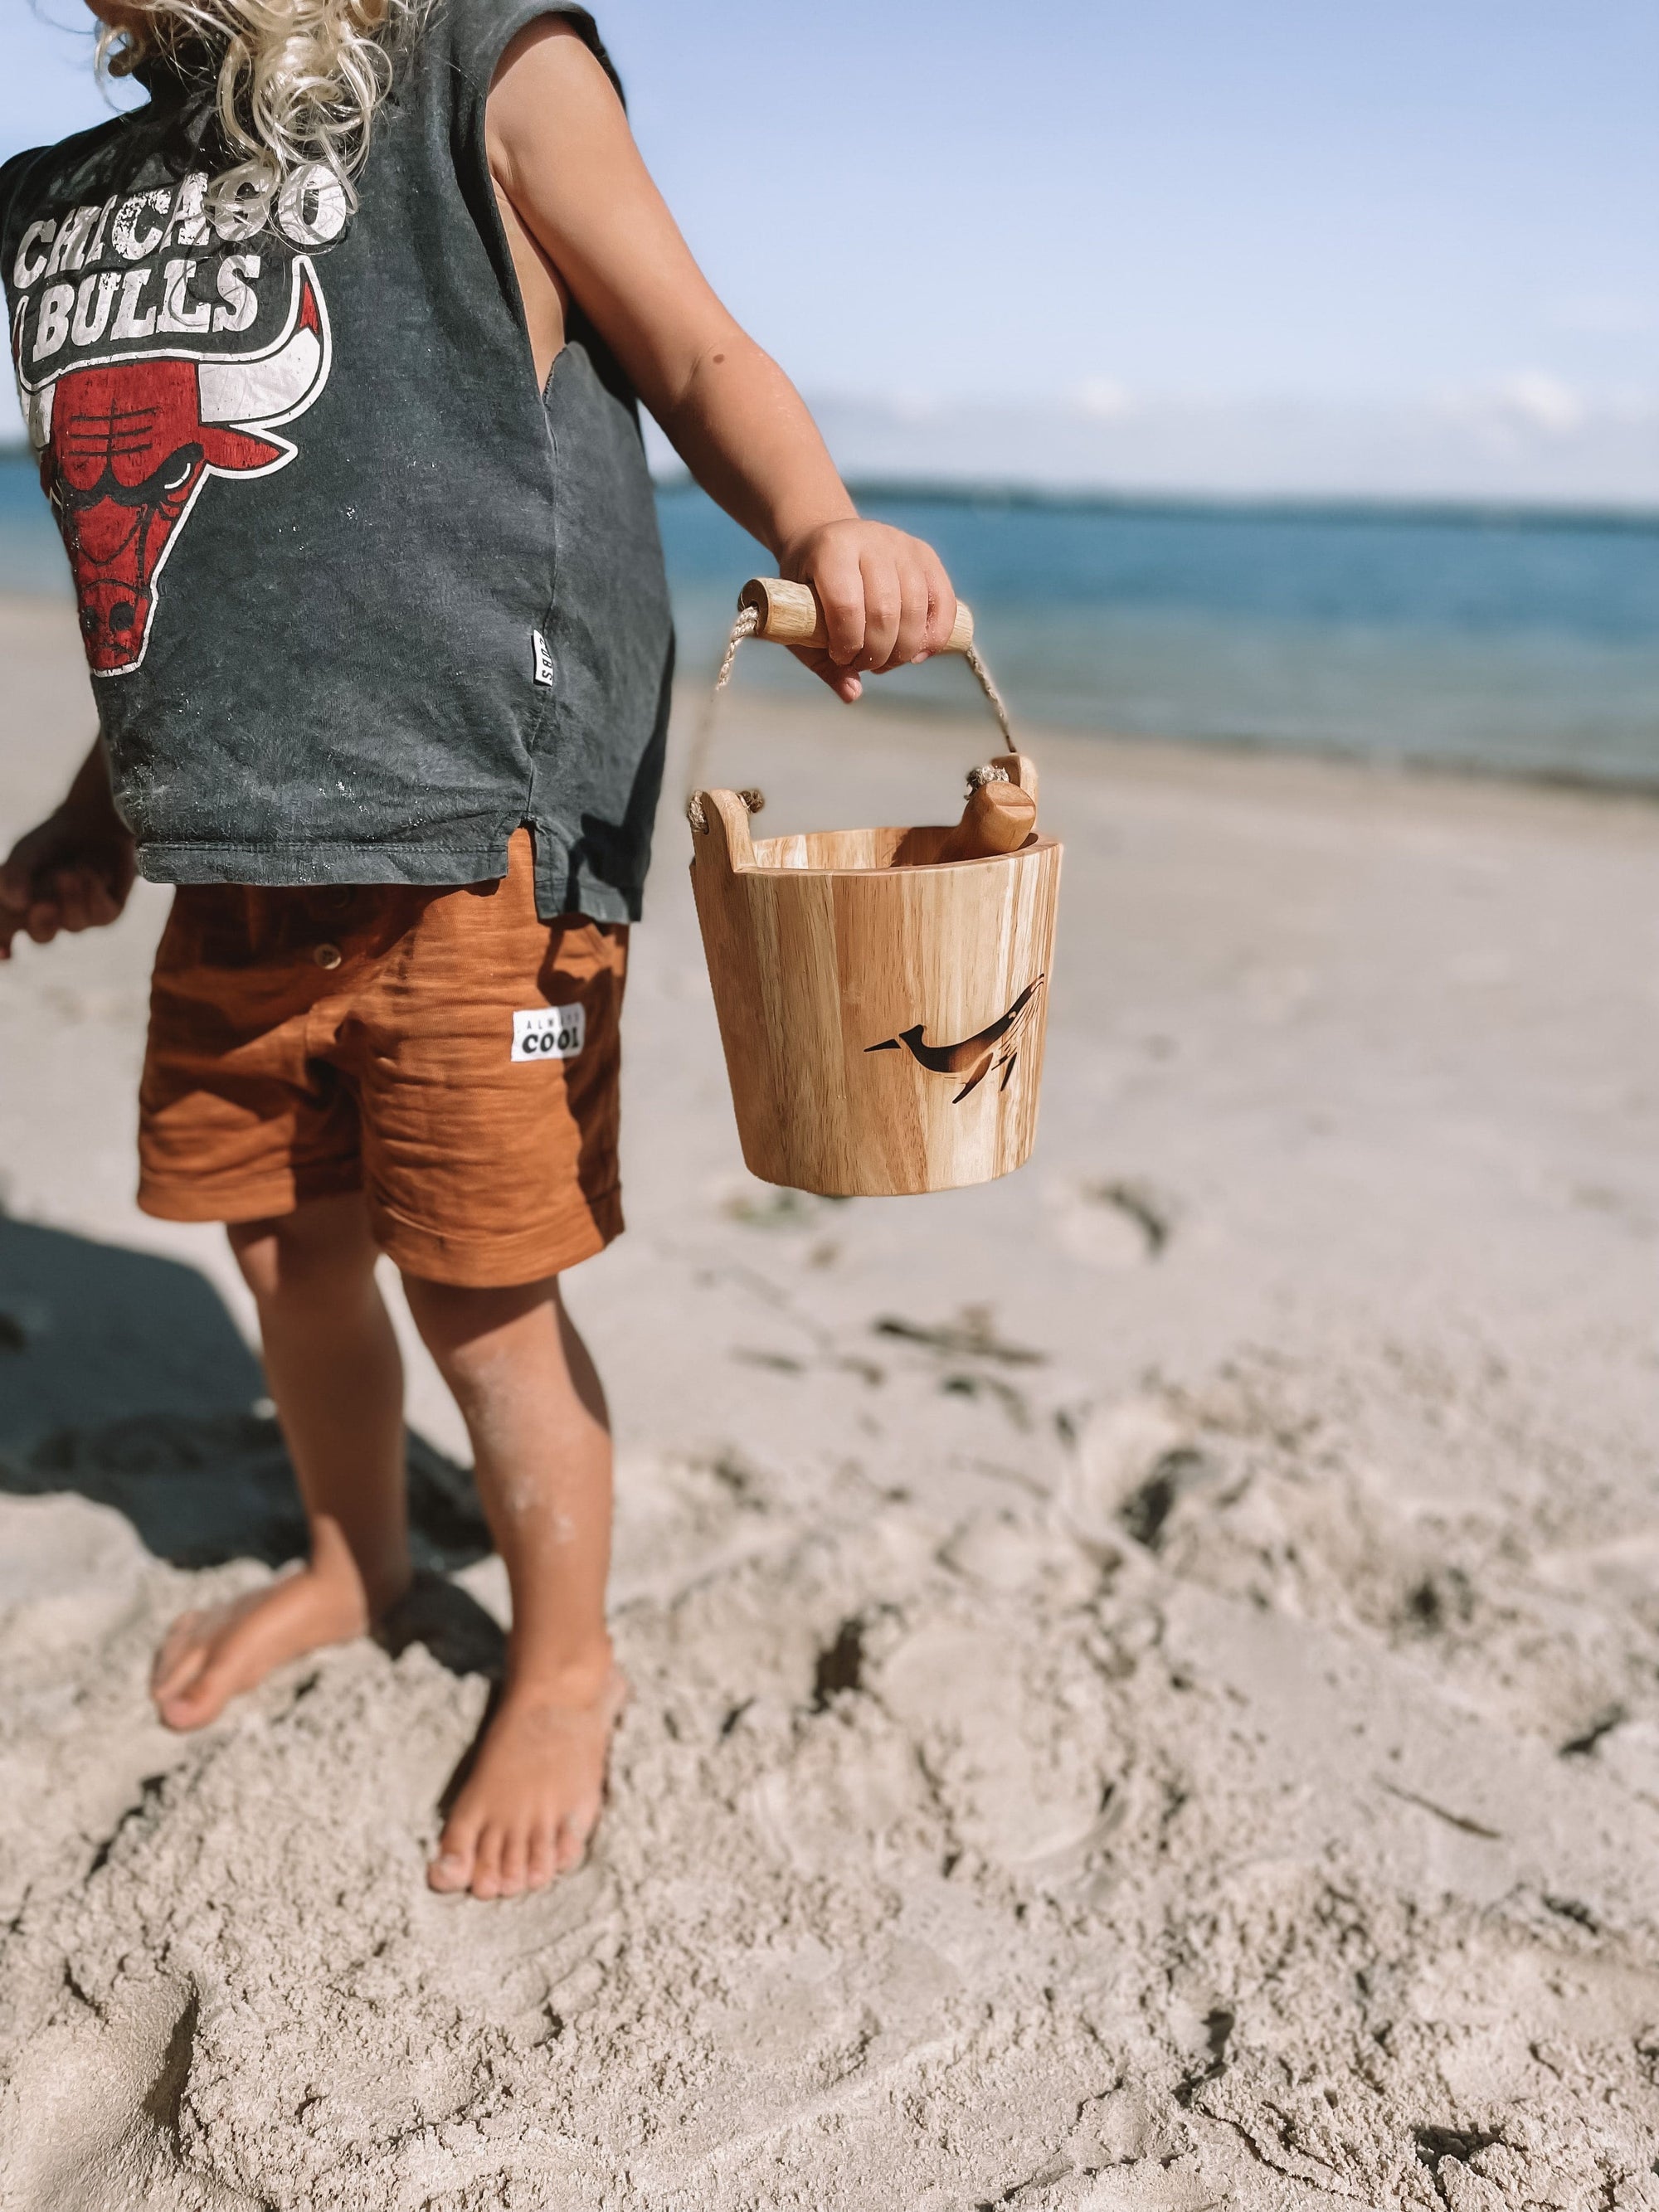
<point x="941" y="603"/>
<point x="84" y="897"/>
<point x="71" y="893"/>
<point x="838" y="580"/>
<point x="71" y="899"/>
<point x="845" y="682"/>
<point x="103" y="904"/>
<point x="25" y="880"/>
<point x="884" y="601"/>
<point x="17" y="878"/>
<point x="910" y="642"/>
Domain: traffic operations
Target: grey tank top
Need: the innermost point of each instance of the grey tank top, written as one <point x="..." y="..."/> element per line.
<point x="358" y="599"/>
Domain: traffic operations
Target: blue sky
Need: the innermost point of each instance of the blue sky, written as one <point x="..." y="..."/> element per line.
<point x="1095" y="207"/>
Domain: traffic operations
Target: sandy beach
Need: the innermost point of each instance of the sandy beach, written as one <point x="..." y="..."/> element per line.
<point x="1145" y="1675"/>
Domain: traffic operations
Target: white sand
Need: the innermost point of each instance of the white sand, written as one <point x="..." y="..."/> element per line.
<point x="1213" y="1760"/>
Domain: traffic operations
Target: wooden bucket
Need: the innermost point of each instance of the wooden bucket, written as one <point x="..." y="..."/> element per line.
<point x="882" y="1010"/>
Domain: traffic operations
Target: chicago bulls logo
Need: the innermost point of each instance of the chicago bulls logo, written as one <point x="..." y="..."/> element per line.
<point x="126" y="446"/>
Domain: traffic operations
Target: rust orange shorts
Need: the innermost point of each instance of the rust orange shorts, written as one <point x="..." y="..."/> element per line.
<point x="444" y="1051"/>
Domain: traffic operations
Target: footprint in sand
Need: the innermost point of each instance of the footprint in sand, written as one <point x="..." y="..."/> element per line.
<point x="1112" y="1222"/>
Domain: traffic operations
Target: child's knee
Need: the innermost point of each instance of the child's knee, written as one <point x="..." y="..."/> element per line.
<point x="307" y="1257"/>
<point x="253" y="1245"/>
<point x="467" y="1330"/>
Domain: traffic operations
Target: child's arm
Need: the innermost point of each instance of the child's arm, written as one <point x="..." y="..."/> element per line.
<point x="589" y="218"/>
<point x="75" y="871"/>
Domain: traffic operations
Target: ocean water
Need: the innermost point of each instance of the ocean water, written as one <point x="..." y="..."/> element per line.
<point x="1526" y="644"/>
<point x="1522" y="643"/>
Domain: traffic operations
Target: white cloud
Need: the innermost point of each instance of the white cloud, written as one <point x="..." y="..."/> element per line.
<point x="1528" y="439"/>
<point x="1541" y="401"/>
<point x="1102" y="399"/>
<point x="1522" y="409"/>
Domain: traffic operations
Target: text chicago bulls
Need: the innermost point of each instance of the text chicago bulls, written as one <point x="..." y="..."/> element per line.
<point x="160" y="339"/>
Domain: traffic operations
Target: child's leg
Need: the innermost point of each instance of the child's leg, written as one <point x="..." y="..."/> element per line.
<point x="541" y="1445"/>
<point x="333" y="1365"/>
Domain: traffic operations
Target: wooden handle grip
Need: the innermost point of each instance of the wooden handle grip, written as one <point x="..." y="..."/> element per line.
<point x="790" y="614"/>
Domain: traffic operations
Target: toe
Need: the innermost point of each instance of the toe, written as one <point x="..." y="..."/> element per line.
<point x="182" y="1654"/>
<point x="179" y="1686"/>
<point x="487" y="1864"/>
<point x="197" y="1701"/>
<point x="193" y="1703"/>
<point x="543" y="1862"/>
<point x="515" y="1858"/>
<point x="573" y="1832"/>
<point x="453" y="1868"/>
<point x="188" y="1709"/>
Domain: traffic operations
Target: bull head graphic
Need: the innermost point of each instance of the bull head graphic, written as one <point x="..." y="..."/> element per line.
<point x="126" y="446"/>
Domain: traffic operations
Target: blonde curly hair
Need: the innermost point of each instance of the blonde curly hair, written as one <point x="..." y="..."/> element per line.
<point x="299" y="81"/>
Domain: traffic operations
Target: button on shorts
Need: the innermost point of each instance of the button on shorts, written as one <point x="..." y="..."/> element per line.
<point x="445" y="1052"/>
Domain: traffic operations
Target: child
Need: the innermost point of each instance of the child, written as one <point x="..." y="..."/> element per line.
<point x="330" y="354"/>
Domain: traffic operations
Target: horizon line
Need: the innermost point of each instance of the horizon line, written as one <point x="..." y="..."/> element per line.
<point x="1382" y="507"/>
<point x="1336" y="506"/>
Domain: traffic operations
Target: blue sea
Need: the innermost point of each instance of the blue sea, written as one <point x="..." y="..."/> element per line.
<point x="1522" y="643"/>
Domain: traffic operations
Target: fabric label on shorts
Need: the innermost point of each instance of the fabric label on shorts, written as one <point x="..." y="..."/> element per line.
<point x="548" y="1033"/>
<point x="543" y="657"/>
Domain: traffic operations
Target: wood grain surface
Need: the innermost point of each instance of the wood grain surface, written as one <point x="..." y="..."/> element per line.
<point x="882" y="1009"/>
<point x="999" y="817"/>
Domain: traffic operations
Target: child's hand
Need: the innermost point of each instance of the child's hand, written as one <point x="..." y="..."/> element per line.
<point x="886" y="600"/>
<point x="74" y="872"/>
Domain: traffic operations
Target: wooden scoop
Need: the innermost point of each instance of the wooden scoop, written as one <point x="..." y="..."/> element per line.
<point x="998" y="818"/>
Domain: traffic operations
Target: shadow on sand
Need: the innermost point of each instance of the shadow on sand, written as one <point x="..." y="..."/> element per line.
<point x="123" y="1377"/>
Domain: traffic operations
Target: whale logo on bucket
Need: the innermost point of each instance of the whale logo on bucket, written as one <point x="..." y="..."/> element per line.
<point x="995" y="1046"/>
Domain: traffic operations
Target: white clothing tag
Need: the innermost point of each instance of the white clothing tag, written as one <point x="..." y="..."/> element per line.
<point x="544" y="658"/>
<point x="548" y="1033"/>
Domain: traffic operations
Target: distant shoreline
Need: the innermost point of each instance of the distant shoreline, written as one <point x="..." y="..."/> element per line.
<point x="1220" y="507"/>
<point x="1225" y="506"/>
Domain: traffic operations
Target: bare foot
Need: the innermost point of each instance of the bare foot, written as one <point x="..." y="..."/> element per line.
<point x="207" y="1658"/>
<point x="533" y="1800"/>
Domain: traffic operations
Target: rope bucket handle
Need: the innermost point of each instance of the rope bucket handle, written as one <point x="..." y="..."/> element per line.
<point x="783" y="613"/>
